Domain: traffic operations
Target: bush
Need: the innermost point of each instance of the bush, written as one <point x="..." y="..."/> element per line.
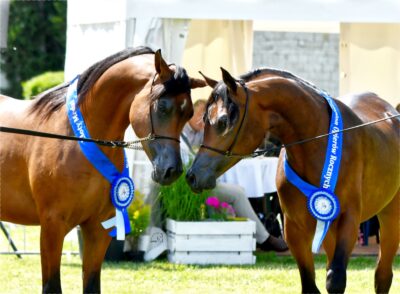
<point x="36" y="42"/>
<point x="41" y="83"/>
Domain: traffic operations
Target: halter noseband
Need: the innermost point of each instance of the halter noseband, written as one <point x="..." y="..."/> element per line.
<point x="153" y="135"/>
<point x="228" y="153"/>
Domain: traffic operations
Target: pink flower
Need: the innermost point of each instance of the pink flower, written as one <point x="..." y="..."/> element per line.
<point x="228" y="209"/>
<point x="212" y="201"/>
<point x="224" y="205"/>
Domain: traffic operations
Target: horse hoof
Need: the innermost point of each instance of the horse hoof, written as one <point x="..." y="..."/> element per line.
<point x="335" y="281"/>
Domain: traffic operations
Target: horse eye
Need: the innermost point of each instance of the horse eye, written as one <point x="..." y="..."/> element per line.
<point x="233" y="114"/>
<point x="164" y="106"/>
<point x="222" y="123"/>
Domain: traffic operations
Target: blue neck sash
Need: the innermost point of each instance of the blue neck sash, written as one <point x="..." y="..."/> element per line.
<point x="322" y="203"/>
<point x="122" y="187"/>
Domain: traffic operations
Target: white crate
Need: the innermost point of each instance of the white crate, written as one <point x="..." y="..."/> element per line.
<point x="207" y="242"/>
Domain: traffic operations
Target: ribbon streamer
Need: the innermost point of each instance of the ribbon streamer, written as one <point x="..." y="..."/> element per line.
<point x="121" y="195"/>
<point x="322" y="203"/>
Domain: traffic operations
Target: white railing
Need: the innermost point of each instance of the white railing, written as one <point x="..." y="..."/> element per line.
<point x="25" y="240"/>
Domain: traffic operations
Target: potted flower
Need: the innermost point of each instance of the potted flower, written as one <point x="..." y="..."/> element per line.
<point x="203" y="230"/>
<point x="139" y="218"/>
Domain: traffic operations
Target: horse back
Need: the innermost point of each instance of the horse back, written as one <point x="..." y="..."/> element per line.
<point x="377" y="150"/>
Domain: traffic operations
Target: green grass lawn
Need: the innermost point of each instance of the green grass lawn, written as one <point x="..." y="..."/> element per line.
<point x="271" y="274"/>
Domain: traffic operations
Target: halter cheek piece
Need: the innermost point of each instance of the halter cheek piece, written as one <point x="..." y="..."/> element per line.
<point x="153" y="135"/>
<point x="228" y="153"/>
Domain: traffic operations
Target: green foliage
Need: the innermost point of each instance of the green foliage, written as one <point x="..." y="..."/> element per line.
<point x="42" y="82"/>
<point x="36" y="41"/>
<point x="180" y="203"/>
<point x="139" y="215"/>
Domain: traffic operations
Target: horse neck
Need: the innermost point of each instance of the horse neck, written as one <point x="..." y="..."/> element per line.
<point x="294" y="113"/>
<point x="106" y="106"/>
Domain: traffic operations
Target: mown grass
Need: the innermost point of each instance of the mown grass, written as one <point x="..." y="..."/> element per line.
<point x="271" y="274"/>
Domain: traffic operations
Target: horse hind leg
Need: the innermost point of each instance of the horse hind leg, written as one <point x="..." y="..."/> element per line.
<point x="389" y="233"/>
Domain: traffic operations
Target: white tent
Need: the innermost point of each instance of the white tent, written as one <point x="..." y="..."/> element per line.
<point x="205" y="34"/>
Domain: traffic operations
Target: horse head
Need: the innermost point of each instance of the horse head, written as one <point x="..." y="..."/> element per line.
<point x="226" y="133"/>
<point x="162" y="110"/>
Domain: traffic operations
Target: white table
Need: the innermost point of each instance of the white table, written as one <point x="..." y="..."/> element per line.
<point x="255" y="175"/>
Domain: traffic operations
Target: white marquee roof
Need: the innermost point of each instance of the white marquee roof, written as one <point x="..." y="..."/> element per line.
<point x="100" y="11"/>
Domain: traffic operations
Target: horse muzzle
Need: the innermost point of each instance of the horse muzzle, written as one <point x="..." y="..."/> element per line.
<point x="167" y="164"/>
<point x="201" y="176"/>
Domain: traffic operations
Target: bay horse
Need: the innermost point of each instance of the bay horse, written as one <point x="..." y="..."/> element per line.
<point x="50" y="182"/>
<point x="240" y="112"/>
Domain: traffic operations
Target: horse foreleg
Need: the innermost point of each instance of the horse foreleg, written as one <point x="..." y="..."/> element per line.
<point x="346" y="236"/>
<point x="299" y="242"/>
<point x="389" y="232"/>
<point x="329" y="247"/>
<point x="95" y="244"/>
<point x="52" y="235"/>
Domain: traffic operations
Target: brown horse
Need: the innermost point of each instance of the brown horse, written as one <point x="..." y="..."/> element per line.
<point x="50" y="183"/>
<point x="241" y="112"/>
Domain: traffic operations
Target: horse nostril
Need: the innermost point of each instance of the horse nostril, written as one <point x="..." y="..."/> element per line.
<point x="191" y="179"/>
<point x="169" y="172"/>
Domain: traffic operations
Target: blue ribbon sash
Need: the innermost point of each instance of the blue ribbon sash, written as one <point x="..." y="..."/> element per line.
<point x="322" y="203"/>
<point x="122" y="186"/>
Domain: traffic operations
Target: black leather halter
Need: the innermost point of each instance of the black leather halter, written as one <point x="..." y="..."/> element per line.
<point x="228" y="153"/>
<point x="153" y="134"/>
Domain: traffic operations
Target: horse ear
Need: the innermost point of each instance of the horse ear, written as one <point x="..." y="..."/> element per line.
<point x="197" y="83"/>
<point x="162" y="67"/>
<point x="229" y="81"/>
<point x="212" y="83"/>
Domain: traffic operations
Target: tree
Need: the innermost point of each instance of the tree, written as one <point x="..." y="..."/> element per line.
<point x="36" y="41"/>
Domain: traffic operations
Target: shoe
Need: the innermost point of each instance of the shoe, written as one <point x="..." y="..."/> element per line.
<point x="157" y="244"/>
<point x="274" y="244"/>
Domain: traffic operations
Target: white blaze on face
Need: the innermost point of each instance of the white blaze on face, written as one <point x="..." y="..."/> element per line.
<point x="183" y="105"/>
<point x="215" y="111"/>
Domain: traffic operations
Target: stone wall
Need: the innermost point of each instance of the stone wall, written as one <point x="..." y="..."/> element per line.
<point x="311" y="56"/>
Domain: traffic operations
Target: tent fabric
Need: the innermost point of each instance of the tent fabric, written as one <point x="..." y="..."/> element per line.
<point x="213" y="44"/>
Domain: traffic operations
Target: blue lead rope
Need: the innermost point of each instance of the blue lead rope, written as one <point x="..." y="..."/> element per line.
<point x="322" y="203"/>
<point x="122" y="187"/>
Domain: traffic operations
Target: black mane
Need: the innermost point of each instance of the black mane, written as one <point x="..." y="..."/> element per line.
<point x="177" y="84"/>
<point x="221" y="91"/>
<point x="285" y="74"/>
<point x="54" y="98"/>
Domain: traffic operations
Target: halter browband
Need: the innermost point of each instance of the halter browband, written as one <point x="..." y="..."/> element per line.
<point x="228" y="153"/>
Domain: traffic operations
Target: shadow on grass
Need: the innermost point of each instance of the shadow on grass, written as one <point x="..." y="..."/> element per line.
<point x="265" y="260"/>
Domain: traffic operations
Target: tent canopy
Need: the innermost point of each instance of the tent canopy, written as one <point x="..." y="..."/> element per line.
<point x="383" y="11"/>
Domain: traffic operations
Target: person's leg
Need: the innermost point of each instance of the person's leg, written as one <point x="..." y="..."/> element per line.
<point x="235" y="196"/>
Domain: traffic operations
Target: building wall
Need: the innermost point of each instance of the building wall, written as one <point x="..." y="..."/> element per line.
<point x="311" y="56"/>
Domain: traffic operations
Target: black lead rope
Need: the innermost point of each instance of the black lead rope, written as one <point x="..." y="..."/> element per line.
<point x="107" y="143"/>
<point x="266" y="151"/>
<point x="131" y="144"/>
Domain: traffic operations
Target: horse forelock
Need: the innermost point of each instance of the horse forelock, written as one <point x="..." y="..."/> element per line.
<point x="179" y="83"/>
<point x="50" y="101"/>
<point x="220" y="91"/>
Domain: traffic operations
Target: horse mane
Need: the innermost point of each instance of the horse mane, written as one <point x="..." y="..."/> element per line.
<point x="177" y="84"/>
<point x="285" y="74"/>
<point x="233" y="110"/>
<point x="53" y="99"/>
